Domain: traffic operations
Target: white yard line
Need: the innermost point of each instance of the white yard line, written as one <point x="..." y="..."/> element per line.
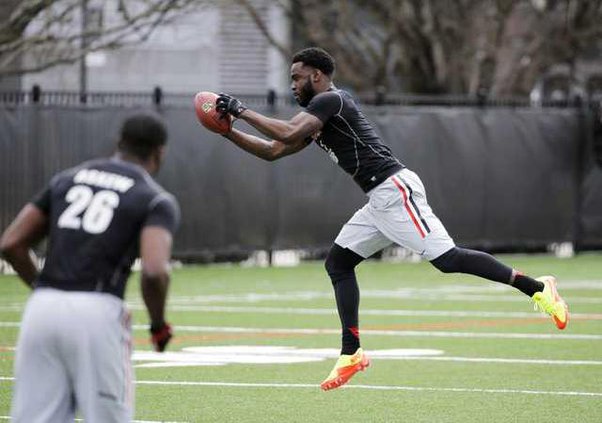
<point x="412" y="333"/>
<point x="369" y="312"/>
<point x="373" y="332"/>
<point x="455" y="294"/>
<point x="133" y="421"/>
<point x="378" y="355"/>
<point x="366" y="312"/>
<point x="370" y="387"/>
<point x="373" y="387"/>
<point x="504" y="360"/>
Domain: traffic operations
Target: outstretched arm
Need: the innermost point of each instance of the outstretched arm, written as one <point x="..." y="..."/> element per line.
<point x="299" y="128"/>
<point x="264" y="149"/>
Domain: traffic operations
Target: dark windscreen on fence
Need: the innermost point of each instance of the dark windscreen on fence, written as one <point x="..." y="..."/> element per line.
<point x="496" y="177"/>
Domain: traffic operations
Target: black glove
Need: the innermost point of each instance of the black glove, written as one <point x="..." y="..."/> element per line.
<point x="228" y="104"/>
<point x="160" y="335"/>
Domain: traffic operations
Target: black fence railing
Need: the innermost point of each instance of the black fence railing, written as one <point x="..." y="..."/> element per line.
<point x="157" y="97"/>
<point x="124" y="98"/>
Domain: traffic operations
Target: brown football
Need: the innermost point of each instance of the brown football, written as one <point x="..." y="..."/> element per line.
<point x="204" y="105"/>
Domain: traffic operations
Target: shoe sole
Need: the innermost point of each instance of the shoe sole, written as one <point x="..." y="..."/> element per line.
<point x="345" y="375"/>
<point x="559" y="323"/>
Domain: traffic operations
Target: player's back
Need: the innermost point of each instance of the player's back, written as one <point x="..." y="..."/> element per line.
<point x="350" y="139"/>
<point x="96" y="212"/>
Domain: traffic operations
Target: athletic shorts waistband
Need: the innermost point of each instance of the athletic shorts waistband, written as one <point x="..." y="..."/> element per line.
<point x="80" y="287"/>
<point x="381" y="177"/>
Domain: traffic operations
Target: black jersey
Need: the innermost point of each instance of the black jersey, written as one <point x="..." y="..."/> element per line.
<point x="96" y="212"/>
<point x="350" y="140"/>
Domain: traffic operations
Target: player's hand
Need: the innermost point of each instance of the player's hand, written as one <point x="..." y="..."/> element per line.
<point x="160" y="335"/>
<point x="225" y="103"/>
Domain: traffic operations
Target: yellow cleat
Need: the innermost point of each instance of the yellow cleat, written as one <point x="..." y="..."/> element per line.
<point x="548" y="301"/>
<point x="344" y="369"/>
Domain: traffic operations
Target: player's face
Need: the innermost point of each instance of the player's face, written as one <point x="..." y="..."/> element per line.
<point x="301" y="84"/>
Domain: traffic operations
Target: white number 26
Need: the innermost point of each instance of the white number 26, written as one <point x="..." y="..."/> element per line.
<point x="97" y="209"/>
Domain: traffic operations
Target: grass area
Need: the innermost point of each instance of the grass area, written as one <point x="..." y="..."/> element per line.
<point x="497" y="359"/>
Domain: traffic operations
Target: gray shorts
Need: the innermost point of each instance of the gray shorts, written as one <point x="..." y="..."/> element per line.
<point x="397" y="212"/>
<point x="73" y="352"/>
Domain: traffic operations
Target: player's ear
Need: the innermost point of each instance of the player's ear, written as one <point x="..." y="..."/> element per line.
<point x="157" y="158"/>
<point x="317" y="75"/>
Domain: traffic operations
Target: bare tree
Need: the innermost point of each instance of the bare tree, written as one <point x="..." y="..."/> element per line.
<point x="39" y="34"/>
<point x="437" y="46"/>
<point x="418" y="46"/>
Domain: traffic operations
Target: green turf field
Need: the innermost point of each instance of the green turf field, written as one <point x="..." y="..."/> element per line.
<point x="492" y="359"/>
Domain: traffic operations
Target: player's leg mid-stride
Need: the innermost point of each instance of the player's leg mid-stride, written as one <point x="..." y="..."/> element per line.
<point x="550" y="302"/>
<point x="344" y="369"/>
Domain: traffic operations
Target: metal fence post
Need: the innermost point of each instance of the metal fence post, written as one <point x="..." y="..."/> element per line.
<point x="271" y="100"/>
<point x="585" y="132"/>
<point x="157" y="96"/>
<point x="36" y="94"/>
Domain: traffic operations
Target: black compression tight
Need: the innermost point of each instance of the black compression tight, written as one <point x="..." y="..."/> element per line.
<point x="341" y="262"/>
<point x="478" y="263"/>
<point x="340" y="265"/>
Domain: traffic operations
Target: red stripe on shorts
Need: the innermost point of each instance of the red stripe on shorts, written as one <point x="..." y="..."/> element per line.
<point x="407" y="206"/>
<point x="127" y="362"/>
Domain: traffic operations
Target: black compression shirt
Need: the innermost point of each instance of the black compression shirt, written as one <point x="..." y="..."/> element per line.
<point x="350" y="140"/>
<point x="96" y="212"/>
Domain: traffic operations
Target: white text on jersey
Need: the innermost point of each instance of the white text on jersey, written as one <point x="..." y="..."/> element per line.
<point x="104" y="180"/>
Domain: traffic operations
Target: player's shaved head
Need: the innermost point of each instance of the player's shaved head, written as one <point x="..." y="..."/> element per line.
<point x="141" y="135"/>
<point x="317" y="58"/>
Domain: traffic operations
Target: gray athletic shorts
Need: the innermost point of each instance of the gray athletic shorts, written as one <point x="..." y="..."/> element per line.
<point x="73" y="352"/>
<point x="397" y="212"/>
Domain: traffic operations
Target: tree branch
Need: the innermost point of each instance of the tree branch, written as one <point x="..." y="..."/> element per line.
<point x="54" y="41"/>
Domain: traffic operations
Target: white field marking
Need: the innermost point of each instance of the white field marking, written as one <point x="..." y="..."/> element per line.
<point x="412" y="333"/>
<point x="506" y="299"/>
<point x="251" y="354"/>
<point x="508" y="360"/>
<point x="593" y="284"/>
<point x="371" y="387"/>
<point x="454" y="293"/>
<point x="450" y="288"/>
<point x="373" y="332"/>
<point x="365" y="312"/>
<point x="333" y="311"/>
<point x="133" y="421"/>
<point x="255" y="354"/>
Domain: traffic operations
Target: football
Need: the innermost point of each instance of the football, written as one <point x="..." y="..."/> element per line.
<point x="204" y="105"/>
